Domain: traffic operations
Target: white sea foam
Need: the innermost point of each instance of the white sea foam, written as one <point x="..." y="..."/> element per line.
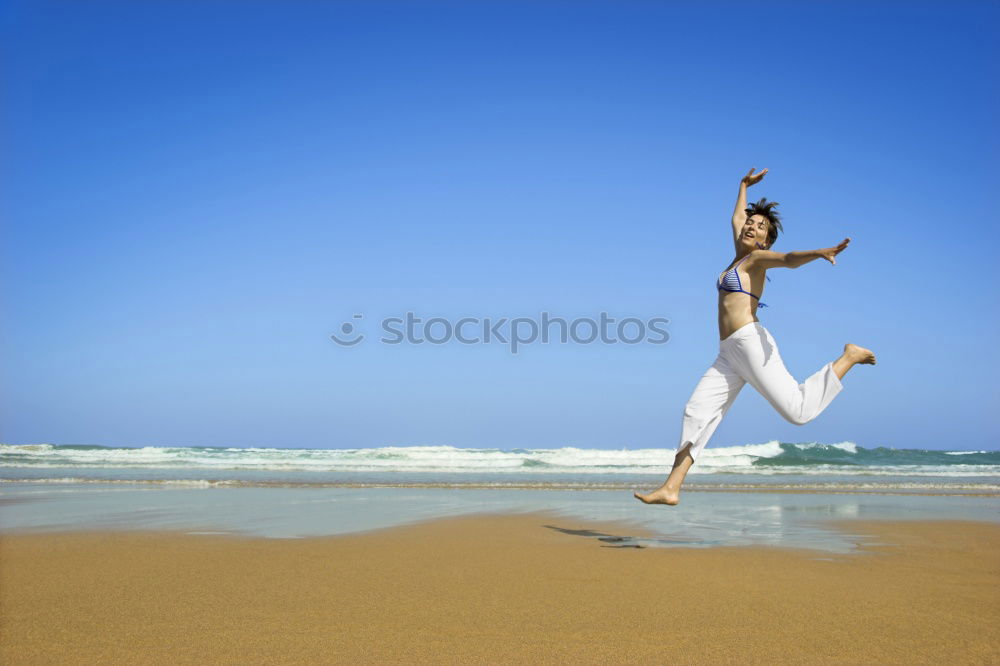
<point x="768" y="459"/>
<point x="849" y="447"/>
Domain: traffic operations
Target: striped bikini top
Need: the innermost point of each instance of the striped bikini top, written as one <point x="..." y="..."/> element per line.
<point x="730" y="281"/>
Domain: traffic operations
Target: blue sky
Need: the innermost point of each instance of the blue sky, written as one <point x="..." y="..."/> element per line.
<point x="196" y="195"/>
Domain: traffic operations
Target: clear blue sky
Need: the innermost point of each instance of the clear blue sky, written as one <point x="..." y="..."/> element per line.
<point x="196" y="195"/>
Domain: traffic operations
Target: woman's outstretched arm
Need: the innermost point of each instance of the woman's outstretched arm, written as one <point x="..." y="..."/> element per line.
<point x="769" y="259"/>
<point x="740" y="211"/>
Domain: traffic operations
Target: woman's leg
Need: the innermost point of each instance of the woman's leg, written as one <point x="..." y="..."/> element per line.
<point x="711" y="399"/>
<point x="670" y="491"/>
<point x="759" y="362"/>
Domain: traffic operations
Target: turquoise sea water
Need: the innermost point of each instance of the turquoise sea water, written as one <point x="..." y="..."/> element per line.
<point x="808" y="466"/>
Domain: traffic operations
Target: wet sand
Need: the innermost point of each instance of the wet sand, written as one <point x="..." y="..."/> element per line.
<point x="494" y="588"/>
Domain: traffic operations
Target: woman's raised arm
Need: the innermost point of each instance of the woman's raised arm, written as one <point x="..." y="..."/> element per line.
<point x="740" y="212"/>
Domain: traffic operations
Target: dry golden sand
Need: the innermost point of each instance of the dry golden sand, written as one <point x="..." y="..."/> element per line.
<point x="522" y="588"/>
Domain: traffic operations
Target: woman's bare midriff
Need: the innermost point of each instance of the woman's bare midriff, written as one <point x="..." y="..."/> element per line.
<point x="735" y="311"/>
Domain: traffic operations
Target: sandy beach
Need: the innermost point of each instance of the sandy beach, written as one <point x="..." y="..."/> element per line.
<point x="494" y="588"/>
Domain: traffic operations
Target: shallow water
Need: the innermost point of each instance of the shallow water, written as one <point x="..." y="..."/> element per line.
<point x="703" y="519"/>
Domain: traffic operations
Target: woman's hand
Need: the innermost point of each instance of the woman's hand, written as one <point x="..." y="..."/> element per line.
<point x="753" y="178"/>
<point x="831" y="253"/>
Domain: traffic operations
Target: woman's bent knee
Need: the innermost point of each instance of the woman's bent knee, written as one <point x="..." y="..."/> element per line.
<point x="794" y="418"/>
<point x="793" y="411"/>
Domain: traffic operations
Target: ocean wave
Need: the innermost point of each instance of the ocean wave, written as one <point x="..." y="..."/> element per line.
<point x="768" y="458"/>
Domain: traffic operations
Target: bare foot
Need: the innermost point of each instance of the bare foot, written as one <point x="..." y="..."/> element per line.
<point x="859" y="354"/>
<point x="660" y="496"/>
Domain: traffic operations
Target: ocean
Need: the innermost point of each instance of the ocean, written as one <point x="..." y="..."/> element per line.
<point x="773" y="493"/>
<point x="772" y="465"/>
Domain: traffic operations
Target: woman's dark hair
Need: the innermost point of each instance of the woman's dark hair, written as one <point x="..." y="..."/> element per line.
<point x="766" y="208"/>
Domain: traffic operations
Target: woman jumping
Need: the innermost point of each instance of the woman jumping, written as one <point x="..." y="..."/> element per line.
<point x="747" y="352"/>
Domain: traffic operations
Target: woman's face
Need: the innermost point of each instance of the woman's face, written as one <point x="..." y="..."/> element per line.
<point x="755" y="231"/>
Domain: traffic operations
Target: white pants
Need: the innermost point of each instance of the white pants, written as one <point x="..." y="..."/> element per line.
<point x="751" y="355"/>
